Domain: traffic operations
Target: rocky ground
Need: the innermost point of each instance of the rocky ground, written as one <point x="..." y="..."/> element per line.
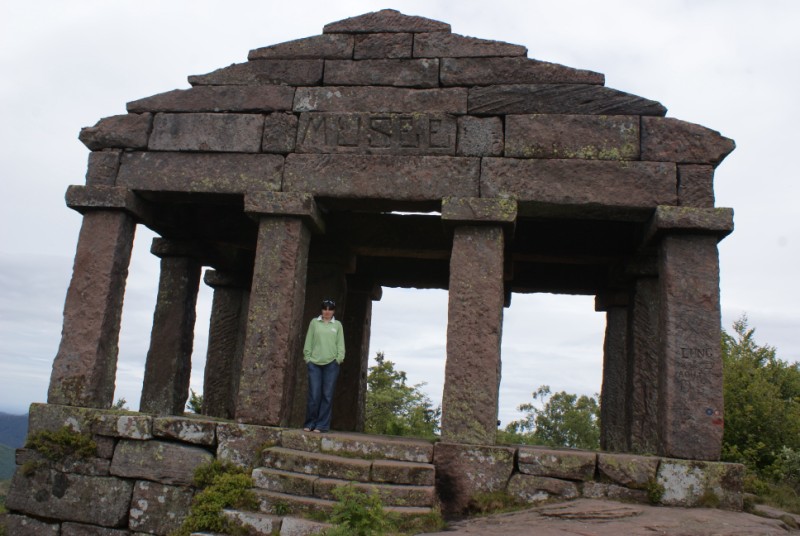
<point x="589" y="517"/>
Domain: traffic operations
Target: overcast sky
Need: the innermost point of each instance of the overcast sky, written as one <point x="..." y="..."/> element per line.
<point x="726" y="64"/>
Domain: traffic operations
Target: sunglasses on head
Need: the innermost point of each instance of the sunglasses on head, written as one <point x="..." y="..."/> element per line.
<point x="328" y="304"/>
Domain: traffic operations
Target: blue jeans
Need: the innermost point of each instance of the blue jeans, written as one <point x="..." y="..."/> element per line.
<point x="321" y="384"/>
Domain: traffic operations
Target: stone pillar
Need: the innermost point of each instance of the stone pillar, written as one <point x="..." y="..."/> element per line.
<point x="225" y="343"/>
<point x="643" y="374"/>
<point x="327" y="266"/>
<point x="690" y="400"/>
<point x="613" y="394"/>
<point x="275" y="313"/>
<point x="351" y="389"/>
<point x="169" y="360"/>
<point x="84" y="369"/>
<point x="475" y="318"/>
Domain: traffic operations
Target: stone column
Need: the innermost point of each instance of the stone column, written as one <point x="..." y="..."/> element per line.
<point x="690" y="400"/>
<point x="275" y="313"/>
<point x="84" y="369"/>
<point x="475" y="318"/>
<point x="169" y="360"/>
<point x="351" y="389"/>
<point x="613" y="394"/>
<point x="225" y="343"/>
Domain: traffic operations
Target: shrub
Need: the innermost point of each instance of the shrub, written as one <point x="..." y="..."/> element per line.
<point x="62" y="443"/>
<point x="358" y="513"/>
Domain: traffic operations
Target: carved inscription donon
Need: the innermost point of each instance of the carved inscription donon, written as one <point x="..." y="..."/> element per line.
<point x="366" y="133"/>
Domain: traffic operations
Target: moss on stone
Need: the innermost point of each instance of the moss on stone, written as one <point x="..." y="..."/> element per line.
<point x="63" y="443"/>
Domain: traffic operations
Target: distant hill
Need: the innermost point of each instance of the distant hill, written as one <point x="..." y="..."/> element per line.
<point x="7" y="465"/>
<point x="13" y="429"/>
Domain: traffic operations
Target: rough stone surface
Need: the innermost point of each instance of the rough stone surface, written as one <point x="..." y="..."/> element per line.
<point x="566" y="464"/>
<point x="77" y="529"/>
<point x="267" y="98"/>
<point x="690" y="391"/>
<point x="390" y="133"/>
<point x="86" y="499"/>
<point x="472" y="370"/>
<point x="477" y="210"/>
<point x="103" y="167"/>
<point x="157" y="508"/>
<point x="194" y="431"/>
<point x="693" y="483"/>
<point x="599" y="137"/>
<point x="415" y="474"/>
<point x="532" y="489"/>
<point x="689" y="220"/>
<point x="298" y="526"/>
<point x="480" y="136"/>
<point x="256" y="72"/>
<point x="128" y="131"/>
<point x="672" y="140"/>
<point x="420" y="73"/>
<point x="602" y="490"/>
<point x="18" y="525"/>
<point x="301" y="440"/>
<point x="627" y="470"/>
<point x="242" y="444"/>
<point x="159" y="461"/>
<point x="696" y="186"/>
<point x="182" y="172"/>
<point x="581" y="182"/>
<point x="413" y="178"/>
<point x="390" y="494"/>
<point x="309" y="48"/>
<point x="280" y="133"/>
<point x="385" y="20"/>
<point x="450" y="45"/>
<point x="229" y="132"/>
<point x="125" y="426"/>
<point x="284" y="481"/>
<point x="613" y="429"/>
<point x="86" y="363"/>
<point x="380" y="99"/>
<point x="465" y="470"/>
<point x="401" y="449"/>
<point x="490" y="71"/>
<point x="52" y="417"/>
<point x="93" y="466"/>
<point x="323" y="465"/>
<point x="383" y="45"/>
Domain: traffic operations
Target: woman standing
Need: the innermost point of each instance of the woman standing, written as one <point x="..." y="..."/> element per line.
<point x="323" y="353"/>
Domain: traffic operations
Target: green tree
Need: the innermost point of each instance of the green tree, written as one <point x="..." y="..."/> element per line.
<point x="395" y="408"/>
<point x="762" y="403"/>
<point x="565" y="420"/>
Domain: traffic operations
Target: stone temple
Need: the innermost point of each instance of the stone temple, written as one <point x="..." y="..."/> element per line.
<point x="389" y="151"/>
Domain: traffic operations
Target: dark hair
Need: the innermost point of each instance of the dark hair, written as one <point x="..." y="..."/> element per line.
<point x="328" y="303"/>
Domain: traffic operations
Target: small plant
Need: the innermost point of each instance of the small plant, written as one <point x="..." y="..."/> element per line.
<point x="709" y="499"/>
<point x="358" y="513"/>
<point x="281" y="509"/>
<point x="224" y="485"/>
<point x="494" y="502"/>
<point x="62" y="443"/>
<point x="195" y="404"/>
<point x="655" y="491"/>
<point x="120" y="405"/>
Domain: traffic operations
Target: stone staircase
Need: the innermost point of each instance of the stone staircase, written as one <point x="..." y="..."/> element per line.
<point x="299" y="476"/>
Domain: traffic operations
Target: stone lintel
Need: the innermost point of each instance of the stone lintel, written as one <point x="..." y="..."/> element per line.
<point x="286" y="204"/>
<point x="672" y="140"/>
<point x="689" y="220"/>
<point x="88" y="198"/>
<point x="479" y="211"/>
<point x="364" y="284"/>
<point x="607" y="300"/>
<point x="165" y="247"/>
<point x="215" y="279"/>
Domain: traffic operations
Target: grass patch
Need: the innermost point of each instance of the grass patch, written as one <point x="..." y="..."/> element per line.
<point x="494" y="502"/>
<point x="61" y="444"/>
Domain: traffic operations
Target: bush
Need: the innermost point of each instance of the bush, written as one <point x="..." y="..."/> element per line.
<point x="358" y="513"/>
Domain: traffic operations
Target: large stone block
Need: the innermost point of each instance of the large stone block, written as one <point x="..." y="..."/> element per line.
<point x="559" y="99"/>
<point x="103" y="167"/>
<point x="670" y="220"/>
<point x="258" y="72"/>
<point x="389" y="133"/>
<point x="217" y="173"/>
<point x="218" y="99"/>
<point x="128" y="131"/>
<point x="380" y="99"/>
<point x="242" y="444"/>
<point x="159" y="461"/>
<point x="125" y="426"/>
<point x="491" y="71"/>
<point x="335" y="46"/>
<point x="581" y="182"/>
<point x="371" y="447"/>
<point x="196" y="431"/>
<point x="413" y="178"/>
<point x="463" y="471"/>
<point x="533" y="489"/>
<point x="53" y="417"/>
<point x="408" y="473"/>
<point x="478" y="210"/>
<point x="565" y="464"/>
<point x="599" y="137"/>
<point x="385" y="20"/>
<point x="613" y="426"/>
<point x="450" y="45"/>
<point x="17" y="525"/>
<point x="77" y="529"/>
<point x="693" y="483"/>
<point x="228" y="133"/>
<point x="383" y="45"/>
<point x="421" y="73"/>
<point x="696" y="186"/>
<point x="91" y="466"/>
<point x="603" y="490"/>
<point x="157" y="508"/>
<point x="480" y="136"/>
<point x="672" y="140"/>
<point x="627" y="470"/>
<point x="280" y="133"/>
<point x="69" y="497"/>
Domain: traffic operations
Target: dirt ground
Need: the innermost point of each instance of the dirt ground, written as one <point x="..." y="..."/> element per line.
<point x="589" y="517"/>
